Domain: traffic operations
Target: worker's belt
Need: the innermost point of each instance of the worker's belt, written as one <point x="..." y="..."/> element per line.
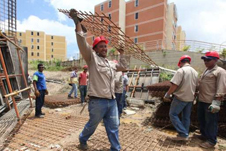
<point x="94" y="97"/>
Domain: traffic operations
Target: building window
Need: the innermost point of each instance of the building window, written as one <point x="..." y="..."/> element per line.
<point x="109" y="15"/>
<point x="136" y="28"/>
<point x="37" y="40"/>
<point x="20" y="41"/>
<point x="32" y="40"/>
<point x="38" y="47"/>
<point x="136" y="3"/>
<point x="32" y="33"/>
<point x="20" y="34"/>
<point x="93" y="38"/>
<point x="51" y="56"/>
<point x="38" y="54"/>
<point x="32" y="54"/>
<point x="51" y="43"/>
<point x="37" y="33"/>
<point x="136" y="15"/>
<point x="109" y="4"/>
<point x="101" y="19"/>
<point x="32" y="46"/>
<point x="51" y="37"/>
<point x="52" y="50"/>
<point x="109" y="28"/>
<point x="102" y="7"/>
<point x="135" y="40"/>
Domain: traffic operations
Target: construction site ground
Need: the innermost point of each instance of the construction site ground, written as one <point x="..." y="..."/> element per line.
<point x="60" y="129"/>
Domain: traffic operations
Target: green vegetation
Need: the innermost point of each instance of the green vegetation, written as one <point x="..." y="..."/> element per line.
<point x="165" y="76"/>
<point x="54" y="65"/>
<point x="223" y="53"/>
<point x="111" y="52"/>
<point x="186" y="48"/>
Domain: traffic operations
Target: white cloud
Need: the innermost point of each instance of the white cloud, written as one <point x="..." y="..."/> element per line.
<point x="48" y="26"/>
<point x="203" y="19"/>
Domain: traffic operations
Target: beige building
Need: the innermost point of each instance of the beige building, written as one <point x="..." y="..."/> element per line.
<point x="181" y="37"/>
<point x="43" y="47"/>
<point x="171" y="25"/>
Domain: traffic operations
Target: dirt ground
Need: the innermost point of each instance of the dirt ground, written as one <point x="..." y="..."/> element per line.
<point x="60" y="129"/>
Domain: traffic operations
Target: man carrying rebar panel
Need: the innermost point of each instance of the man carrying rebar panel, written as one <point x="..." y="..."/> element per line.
<point x="212" y="88"/>
<point x="183" y="87"/>
<point x="101" y="89"/>
<point x="39" y="83"/>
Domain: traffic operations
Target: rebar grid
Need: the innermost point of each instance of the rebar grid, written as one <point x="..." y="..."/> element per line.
<point x="101" y="25"/>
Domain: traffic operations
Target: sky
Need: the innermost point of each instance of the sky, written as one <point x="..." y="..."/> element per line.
<point x="202" y="20"/>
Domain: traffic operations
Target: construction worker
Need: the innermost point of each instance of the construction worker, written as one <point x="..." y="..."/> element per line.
<point x="82" y="80"/>
<point x="73" y="81"/>
<point x="118" y="90"/>
<point x="212" y="88"/>
<point x="125" y="89"/>
<point x="39" y="83"/>
<point x="183" y="87"/>
<point x="101" y="89"/>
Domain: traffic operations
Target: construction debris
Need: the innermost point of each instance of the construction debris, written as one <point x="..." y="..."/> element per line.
<point x="60" y="100"/>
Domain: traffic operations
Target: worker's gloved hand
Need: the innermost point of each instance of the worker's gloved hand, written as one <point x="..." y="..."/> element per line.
<point x="74" y="16"/>
<point x="37" y="93"/>
<point x="46" y="92"/>
<point x="166" y="98"/>
<point x="215" y="106"/>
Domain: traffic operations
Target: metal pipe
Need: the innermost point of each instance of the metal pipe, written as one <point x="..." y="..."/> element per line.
<point x="16" y="92"/>
<point x="4" y="93"/>
<point x="9" y="85"/>
<point x="23" y="75"/>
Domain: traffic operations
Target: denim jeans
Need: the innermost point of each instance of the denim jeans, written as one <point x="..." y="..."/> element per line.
<point x="124" y="99"/>
<point x="39" y="102"/>
<point x="83" y="90"/>
<point x="177" y="107"/>
<point x="208" y="122"/>
<point x="73" y="89"/>
<point x="105" y="109"/>
<point x="119" y="102"/>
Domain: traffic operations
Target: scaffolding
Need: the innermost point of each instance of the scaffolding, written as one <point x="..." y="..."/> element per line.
<point x="8" y="17"/>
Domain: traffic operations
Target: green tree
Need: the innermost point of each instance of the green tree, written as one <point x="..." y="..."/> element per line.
<point x="186" y="48"/>
<point x="223" y="53"/>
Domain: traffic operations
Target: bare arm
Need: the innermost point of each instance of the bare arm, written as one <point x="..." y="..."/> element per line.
<point x="122" y="64"/>
<point x="172" y="89"/>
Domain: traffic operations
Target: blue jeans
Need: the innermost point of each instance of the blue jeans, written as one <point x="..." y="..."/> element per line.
<point x="208" y="122"/>
<point x="107" y="110"/>
<point x="177" y="107"/>
<point x="119" y="103"/>
<point x="124" y="99"/>
<point x="73" y="89"/>
<point x="83" y="90"/>
<point x="39" y="102"/>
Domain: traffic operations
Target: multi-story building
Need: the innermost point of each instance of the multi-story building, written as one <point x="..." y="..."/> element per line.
<point x="43" y="47"/>
<point x="181" y="37"/>
<point x="150" y="23"/>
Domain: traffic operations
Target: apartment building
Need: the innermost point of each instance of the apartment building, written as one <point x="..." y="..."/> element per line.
<point x="42" y="46"/>
<point x="149" y="23"/>
<point x="181" y="37"/>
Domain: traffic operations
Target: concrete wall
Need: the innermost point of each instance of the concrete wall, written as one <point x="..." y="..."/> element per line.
<point x="170" y="58"/>
<point x="165" y="58"/>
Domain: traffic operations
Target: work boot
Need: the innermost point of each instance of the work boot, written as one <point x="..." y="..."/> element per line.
<point x="179" y="138"/>
<point x="206" y="145"/>
<point x="70" y="97"/>
<point x="39" y="116"/>
<point x="199" y="136"/>
<point x="83" y="146"/>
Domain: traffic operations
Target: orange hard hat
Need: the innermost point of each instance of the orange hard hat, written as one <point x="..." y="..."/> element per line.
<point x="184" y="57"/>
<point x="211" y="55"/>
<point x="98" y="40"/>
<point x="85" y="67"/>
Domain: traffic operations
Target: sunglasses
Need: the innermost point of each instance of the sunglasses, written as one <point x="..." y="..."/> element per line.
<point x="207" y="60"/>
